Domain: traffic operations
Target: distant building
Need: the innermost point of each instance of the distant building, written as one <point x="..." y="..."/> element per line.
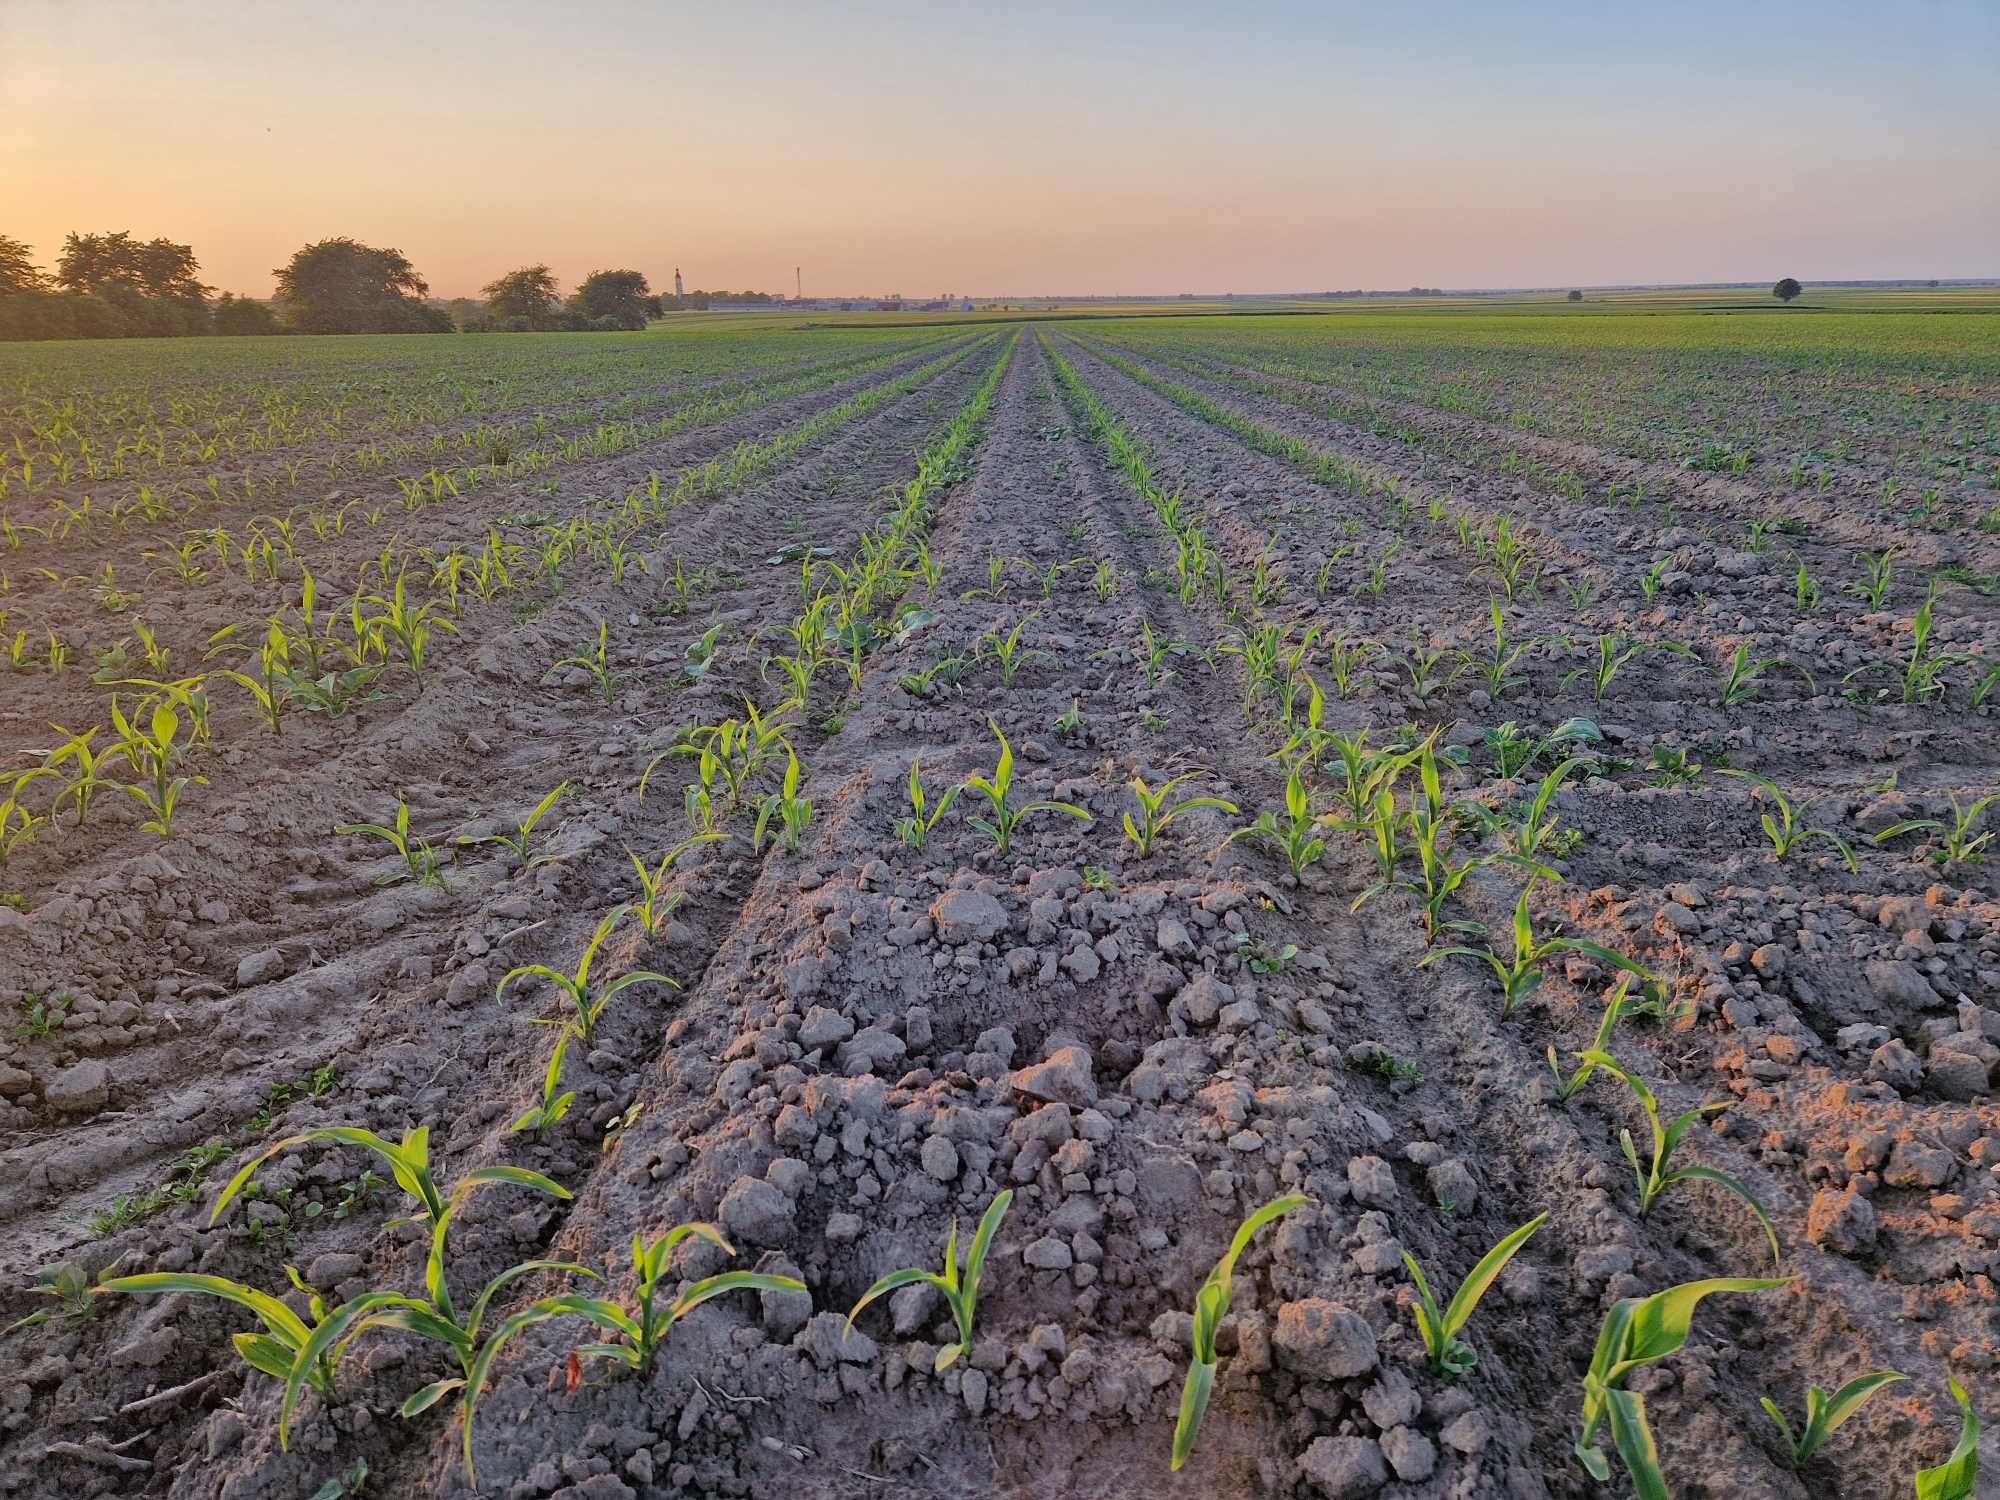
<point x="679" y="290"/>
<point x="966" y="305"/>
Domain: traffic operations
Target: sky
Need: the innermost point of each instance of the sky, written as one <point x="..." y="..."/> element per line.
<point x="1016" y="150"/>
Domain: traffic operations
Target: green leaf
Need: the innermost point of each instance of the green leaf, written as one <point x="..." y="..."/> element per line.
<point x="1724" y="1180"/>
<point x="1483" y="1275"/>
<point x="430" y="1395"/>
<point x="1954" y="1478"/>
<point x="1634" y="1440"/>
<point x="1660" y="1323"/>
<point x="1195" y="1391"/>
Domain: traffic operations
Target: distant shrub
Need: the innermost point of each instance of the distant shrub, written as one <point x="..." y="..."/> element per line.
<point x="1787" y="289"/>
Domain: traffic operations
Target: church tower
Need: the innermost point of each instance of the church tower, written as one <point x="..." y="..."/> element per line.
<point x="679" y="291"/>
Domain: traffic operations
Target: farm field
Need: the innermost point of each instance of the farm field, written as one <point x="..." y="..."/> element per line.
<point x="595" y="750"/>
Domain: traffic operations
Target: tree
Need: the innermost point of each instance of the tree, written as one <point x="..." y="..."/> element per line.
<point x="18" y="271"/>
<point x="1787" y="289"/>
<point x="621" y="297"/>
<point x="1576" y="296"/>
<point x="152" y="268"/>
<point x="523" y="299"/>
<point x="343" y="286"/>
<point x="243" y="315"/>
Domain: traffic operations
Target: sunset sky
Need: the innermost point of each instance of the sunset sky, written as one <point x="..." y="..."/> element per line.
<point x="1109" y="147"/>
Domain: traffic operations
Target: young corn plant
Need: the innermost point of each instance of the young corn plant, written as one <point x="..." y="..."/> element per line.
<point x="1428" y="822"/>
<point x="959" y="1286"/>
<point x="1957" y="844"/>
<point x="597" y="662"/>
<point x="1450" y="1355"/>
<point x="1003" y="817"/>
<point x="548" y="1111"/>
<point x="1881" y="577"/>
<point x="1347" y="660"/>
<point x="1008" y="651"/>
<point x="1523" y="974"/>
<point x="1155" y="814"/>
<point x="1569" y="1085"/>
<point x="1737" y="678"/>
<point x="1825" y="1413"/>
<point x="924" y="816"/>
<point x="1496" y="667"/>
<point x="82" y="769"/>
<point x="155" y="753"/>
<point x="1657" y="1175"/>
<point x="270" y="689"/>
<point x="405" y="625"/>
<point x="586" y="1001"/>
<point x="1956" y="1477"/>
<point x="792" y="812"/>
<point x="524" y="832"/>
<point x="1295" y="834"/>
<point x="420" y="860"/>
<point x="1921" y="674"/>
<point x="655" y="903"/>
<point x="1614" y="654"/>
<point x="1211" y="1305"/>
<point x="640" y="1330"/>
<point x="1639" y="1331"/>
<point x="1783" y="828"/>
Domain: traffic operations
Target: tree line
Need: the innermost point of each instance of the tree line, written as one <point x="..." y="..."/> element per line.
<point x="115" y="286"/>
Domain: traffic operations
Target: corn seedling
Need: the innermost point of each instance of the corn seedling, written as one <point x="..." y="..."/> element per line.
<point x="924" y="816"/>
<point x="1450" y="1355"/>
<point x="644" y="1327"/>
<point x="655" y="902"/>
<point x="1211" y="1305"/>
<point x="793" y="812"/>
<point x="1955" y="1477"/>
<point x="1521" y="976"/>
<point x="1639" y="1331"/>
<point x="1806" y="591"/>
<point x="270" y="689"/>
<point x="1783" y="829"/>
<point x="586" y="1002"/>
<point x="1295" y="835"/>
<point x="1880" y="568"/>
<point x="408" y="626"/>
<point x="1825" y="1413"/>
<point x="1003" y="817"/>
<point x="1495" y="668"/>
<point x="1533" y="830"/>
<point x="597" y="662"/>
<point x="1651" y="579"/>
<point x="547" y="1112"/>
<point x="82" y="769"/>
<point x="1921" y="675"/>
<point x="420" y="860"/>
<point x="1421" y="667"/>
<point x="1614" y="654"/>
<point x="1008" y="651"/>
<point x="154" y="753"/>
<point x="524" y="832"/>
<point x="1155" y="814"/>
<point x="1153" y="654"/>
<point x="1568" y="1087"/>
<point x="1656" y="1176"/>
<point x="1957" y="844"/>
<point x="959" y="1286"/>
